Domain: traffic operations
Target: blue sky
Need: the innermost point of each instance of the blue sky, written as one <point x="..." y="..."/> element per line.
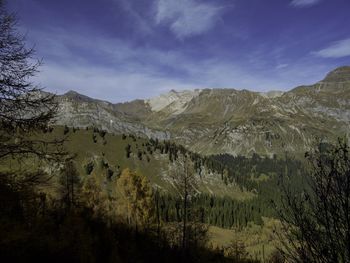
<point x="121" y="50"/>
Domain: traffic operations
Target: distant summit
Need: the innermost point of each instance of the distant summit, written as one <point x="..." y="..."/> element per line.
<point x="216" y="121"/>
<point x="341" y="74"/>
<point x="73" y="95"/>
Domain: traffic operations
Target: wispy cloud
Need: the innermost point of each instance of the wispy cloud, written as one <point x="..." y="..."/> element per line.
<point x="116" y="70"/>
<point x="281" y="66"/>
<point x="337" y="49"/>
<point x="105" y="83"/>
<point x="304" y="3"/>
<point x="140" y="22"/>
<point x="187" y="17"/>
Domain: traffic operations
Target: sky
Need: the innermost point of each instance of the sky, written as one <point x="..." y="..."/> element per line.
<point x="120" y="50"/>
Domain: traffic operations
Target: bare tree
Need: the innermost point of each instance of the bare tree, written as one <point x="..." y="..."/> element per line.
<point x="24" y="108"/>
<point x="316" y="222"/>
<point x="185" y="182"/>
<point x="70" y="183"/>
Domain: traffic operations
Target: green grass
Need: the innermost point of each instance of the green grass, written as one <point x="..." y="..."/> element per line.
<point x="260" y="241"/>
<point x="81" y="144"/>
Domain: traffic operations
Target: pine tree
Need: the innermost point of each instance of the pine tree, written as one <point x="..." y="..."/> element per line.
<point x="89" y="167"/>
<point x="65" y="130"/>
<point x="128" y="150"/>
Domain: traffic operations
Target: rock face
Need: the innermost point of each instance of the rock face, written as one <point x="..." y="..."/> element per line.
<point x="175" y="102"/>
<point x="81" y="111"/>
<point x="212" y="121"/>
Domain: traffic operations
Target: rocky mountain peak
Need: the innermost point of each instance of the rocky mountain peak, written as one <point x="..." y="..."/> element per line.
<point x="73" y="95"/>
<point x="341" y="74"/>
<point x="214" y="121"/>
<point x="177" y="100"/>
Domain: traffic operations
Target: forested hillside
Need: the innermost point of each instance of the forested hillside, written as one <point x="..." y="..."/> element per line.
<point x="230" y="191"/>
<point x="205" y="175"/>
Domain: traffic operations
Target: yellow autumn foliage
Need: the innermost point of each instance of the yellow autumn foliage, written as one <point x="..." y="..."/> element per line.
<point x="136" y="198"/>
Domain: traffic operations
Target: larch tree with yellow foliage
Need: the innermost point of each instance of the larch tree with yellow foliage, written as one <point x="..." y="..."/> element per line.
<point x="94" y="197"/>
<point x="136" y="198"/>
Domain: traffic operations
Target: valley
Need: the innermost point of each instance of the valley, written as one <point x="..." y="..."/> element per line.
<point x="204" y="131"/>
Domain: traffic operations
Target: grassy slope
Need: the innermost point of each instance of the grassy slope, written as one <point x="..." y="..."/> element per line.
<point x="81" y="144"/>
<point x="260" y="241"/>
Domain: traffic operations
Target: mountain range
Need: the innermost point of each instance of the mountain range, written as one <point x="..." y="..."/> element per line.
<point x="214" y="121"/>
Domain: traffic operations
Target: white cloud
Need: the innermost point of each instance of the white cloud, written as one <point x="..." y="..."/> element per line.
<point x="304" y="3"/>
<point x="123" y="72"/>
<point x="140" y="22"/>
<point x="281" y="66"/>
<point x="337" y="49"/>
<point x="104" y="83"/>
<point x="117" y="71"/>
<point x="120" y="85"/>
<point x="187" y="17"/>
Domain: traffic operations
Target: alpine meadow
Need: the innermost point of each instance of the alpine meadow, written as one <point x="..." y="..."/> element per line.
<point x="175" y="131"/>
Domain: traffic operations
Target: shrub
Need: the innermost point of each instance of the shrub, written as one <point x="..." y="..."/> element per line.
<point x="128" y="150"/>
<point x="65" y="130"/>
<point x="89" y="167"/>
<point x="139" y="155"/>
<point x="102" y="133"/>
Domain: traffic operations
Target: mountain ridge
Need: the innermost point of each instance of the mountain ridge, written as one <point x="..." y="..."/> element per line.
<point x="213" y="121"/>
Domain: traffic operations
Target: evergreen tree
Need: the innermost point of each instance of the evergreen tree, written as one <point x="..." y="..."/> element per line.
<point x="128" y="150"/>
<point x="89" y="167"/>
<point x="65" y="130"/>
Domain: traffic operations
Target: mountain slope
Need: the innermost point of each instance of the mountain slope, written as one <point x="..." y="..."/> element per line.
<point x="212" y="121"/>
<point x="107" y="156"/>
